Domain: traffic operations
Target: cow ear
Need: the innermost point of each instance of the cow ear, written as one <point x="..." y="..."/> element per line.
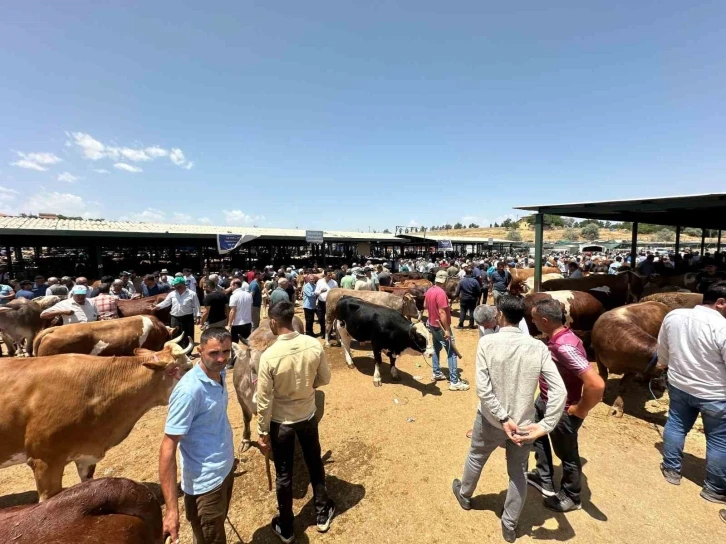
<point x="154" y="363"/>
<point x="244" y="341"/>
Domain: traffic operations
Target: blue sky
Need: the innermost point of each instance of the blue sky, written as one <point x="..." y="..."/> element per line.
<point x="348" y="115"/>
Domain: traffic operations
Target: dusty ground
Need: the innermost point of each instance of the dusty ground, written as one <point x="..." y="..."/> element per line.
<point x="392" y="452"/>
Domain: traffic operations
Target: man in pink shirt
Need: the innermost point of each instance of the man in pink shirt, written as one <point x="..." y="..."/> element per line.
<point x="439" y="313"/>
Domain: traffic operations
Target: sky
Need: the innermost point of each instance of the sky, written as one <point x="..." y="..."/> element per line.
<point x="343" y="115"/>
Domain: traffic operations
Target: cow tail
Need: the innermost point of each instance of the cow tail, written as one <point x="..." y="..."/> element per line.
<point x="36" y="342"/>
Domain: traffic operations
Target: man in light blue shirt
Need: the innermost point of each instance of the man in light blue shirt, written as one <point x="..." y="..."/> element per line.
<point x="615" y="265"/>
<point x="7" y="294"/>
<point x="309" y="303"/>
<point x="197" y="422"/>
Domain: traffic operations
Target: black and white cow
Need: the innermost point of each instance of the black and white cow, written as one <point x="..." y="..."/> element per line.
<point x="386" y="330"/>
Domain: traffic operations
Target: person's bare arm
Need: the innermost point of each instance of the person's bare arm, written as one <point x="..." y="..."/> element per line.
<point x="593" y="388"/>
<point x="167" y="479"/>
<point x="230" y="318"/>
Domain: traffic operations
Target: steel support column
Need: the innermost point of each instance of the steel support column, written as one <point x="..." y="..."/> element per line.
<point x="678" y="239"/>
<point x="718" y="243"/>
<point x="634" y="246"/>
<point x="703" y="241"/>
<point x="10" y="261"/>
<point x="538" y="246"/>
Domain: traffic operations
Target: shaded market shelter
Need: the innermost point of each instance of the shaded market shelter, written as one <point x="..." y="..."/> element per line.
<point x="707" y="212"/>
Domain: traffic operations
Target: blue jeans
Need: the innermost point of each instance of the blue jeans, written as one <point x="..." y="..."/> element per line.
<point x="684" y="409"/>
<point x="438" y="338"/>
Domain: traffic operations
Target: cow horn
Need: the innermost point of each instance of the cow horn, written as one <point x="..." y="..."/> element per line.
<point x="188" y="349"/>
<point x="177" y="339"/>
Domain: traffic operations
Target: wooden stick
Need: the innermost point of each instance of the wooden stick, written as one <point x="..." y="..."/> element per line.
<point x="269" y="472"/>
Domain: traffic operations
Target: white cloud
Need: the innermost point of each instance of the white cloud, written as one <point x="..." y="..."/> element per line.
<point x="156" y="152"/>
<point x="238" y="217"/>
<point x="67" y="177"/>
<point x="178" y="158"/>
<point x="149" y="215"/>
<point x="90" y="147"/>
<point x="101" y="171"/>
<point x="181" y="218"/>
<point x="413" y="223"/>
<point x="127" y="167"/>
<point x="30" y="165"/>
<point x="204" y="221"/>
<point x="94" y="150"/>
<point x="7" y="194"/>
<point x="62" y="203"/>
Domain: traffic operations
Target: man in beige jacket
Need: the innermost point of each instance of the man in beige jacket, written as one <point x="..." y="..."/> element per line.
<point x="289" y="372"/>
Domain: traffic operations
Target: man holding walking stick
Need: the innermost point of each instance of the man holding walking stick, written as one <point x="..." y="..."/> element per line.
<point x="290" y="370"/>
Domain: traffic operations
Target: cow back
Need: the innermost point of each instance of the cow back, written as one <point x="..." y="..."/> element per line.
<point x="368" y="322"/>
<point x="145" y="306"/>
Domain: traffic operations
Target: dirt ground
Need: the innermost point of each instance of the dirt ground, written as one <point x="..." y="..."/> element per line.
<point x="391" y="454"/>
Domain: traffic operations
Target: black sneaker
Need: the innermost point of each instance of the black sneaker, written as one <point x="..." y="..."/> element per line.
<point x="277" y="529"/>
<point x="712" y="496"/>
<point x="535" y="480"/>
<point x="561" y="503"/>
<point x="325" y="519"/>
<point x="509" y="535"/>
<point x="670" y="475"/>
<point x="463" y="501"/>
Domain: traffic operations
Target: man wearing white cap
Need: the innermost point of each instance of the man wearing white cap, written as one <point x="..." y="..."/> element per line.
<point x="73" y="310"/>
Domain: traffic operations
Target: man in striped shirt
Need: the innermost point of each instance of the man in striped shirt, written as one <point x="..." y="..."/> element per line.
<point x="584" y="388"/>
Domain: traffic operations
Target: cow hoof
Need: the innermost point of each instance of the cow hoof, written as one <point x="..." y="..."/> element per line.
<point x="327" y="344"/>
<point x="377" y="383"/>
<point x="616" y="412"/>
<point x="351" y="365"/>
<point x="244" y="446"/>
<point x="395" y="376"/>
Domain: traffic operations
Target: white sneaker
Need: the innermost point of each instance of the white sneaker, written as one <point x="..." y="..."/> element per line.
<point x="459" y="386"/>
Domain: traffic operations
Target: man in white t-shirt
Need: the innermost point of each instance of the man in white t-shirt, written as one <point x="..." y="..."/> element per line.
<point x="485" y="317"/>
<point x="73" y="310"/>
<point x="239" y="320"/>
<point x="692" y="346"/>
<point x="322" y="288"/>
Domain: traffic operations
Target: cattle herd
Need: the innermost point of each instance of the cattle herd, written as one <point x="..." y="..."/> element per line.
<point x="83" y="387"/>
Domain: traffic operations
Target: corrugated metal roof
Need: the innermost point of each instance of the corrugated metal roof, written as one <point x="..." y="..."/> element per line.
<point x="30" y="225"/>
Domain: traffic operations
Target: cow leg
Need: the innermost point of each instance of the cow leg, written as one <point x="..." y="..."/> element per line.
<point x="48" y="478"/>
<point x="395" y="376"/>
<point x="345" y="339"/>
<point x="9" y="343"/>
<point x="617" y="408"/>
<point x="86" y="468"/>
<point x="29" y="344"/>
<point x="377" y="372"/>
<point x="246" y="434"/>
<point x="602" y="370"/>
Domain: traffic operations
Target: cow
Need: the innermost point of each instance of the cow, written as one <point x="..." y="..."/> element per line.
<point x="75" y="407"/>
<point x="398" y="277"/>
<point x="525" y="273"/>
<point x="386" y="330"/>
<point x="522" y="286"/>
<point x="405" y="305"/>
<point x="611" y="290"/>
<point x="450" y="287"/>
<point x="106" y="338"/>
<point x="625" y="341"/>
<point x="676" y="300"/>
<point x="423" y="283"/>
<point x="580" y="311"/>
<point x="657" y="283"/>
<point x="417" y="293"/>
<point x="145" y="306"/>
<point x="20" y="322"/>
<point x="108" y="510"/>
<point x="246" y="361"/>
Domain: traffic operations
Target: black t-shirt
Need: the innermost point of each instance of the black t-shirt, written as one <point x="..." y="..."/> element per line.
<point x="216" y="302"/>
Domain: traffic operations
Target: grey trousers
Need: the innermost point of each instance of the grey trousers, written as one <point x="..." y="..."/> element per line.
<point x="255" y="317"/>
<point x="484" y="440"/>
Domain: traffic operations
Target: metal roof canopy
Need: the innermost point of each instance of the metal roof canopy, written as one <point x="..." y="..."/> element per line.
<point x="700" y="211"/>
<point x="707" y="211"/>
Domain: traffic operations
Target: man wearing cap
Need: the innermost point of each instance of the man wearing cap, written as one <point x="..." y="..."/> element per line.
<point x="25" y="290"/>
<point x="439" y="314"/>
<point x="185" y="310"/>
<point x="164" y="283"/>
<point x="126" y="283"/>
<point x="362" y="282"/>
<point x="73" y="310"/>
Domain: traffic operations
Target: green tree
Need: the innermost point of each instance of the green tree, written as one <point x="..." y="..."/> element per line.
<point x="386" y="231"/>
<point x="507" y="223"/>
<point x="496" y="225"/>
<point x="665" y="235"/>
<point x="690" y="231"/>
<point x="514" y="235"/>
<point x="458" y="226"/>
<point x="447" y="226"/>
<point x="473" y="226"/>
<point x="590" y="231"/>
<point x="571" y="235"/>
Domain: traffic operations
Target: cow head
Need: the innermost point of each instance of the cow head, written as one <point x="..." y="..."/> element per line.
<point x="420" y="339"/>
<point x="409" y="307"/>
<point x="172" y="360"/>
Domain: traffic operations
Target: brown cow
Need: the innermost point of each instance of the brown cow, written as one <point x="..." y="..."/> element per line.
<point x="522" y="286"/>
<point x="676" y="300"/>
<point x="145" y="306"/>
<point x="625" y="341"/>
<point x="246" y="364"/>
<point x="73" y="407"/>
<point x="405" y="305"/>
<point x="20" y="322"/>
<point x="417" y="293"/>
<point x="580" y="311"/>
<point x="425" y="284"/>
<point x="525" y="273"/>
<point x="107" y="510"/>
<point x="106" y="338"/>
<point x="398" y="277"/>
<point x="611" y="290"/>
